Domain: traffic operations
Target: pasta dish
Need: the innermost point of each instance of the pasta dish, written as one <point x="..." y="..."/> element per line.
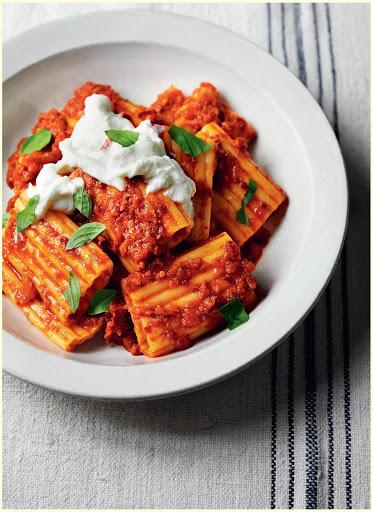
<point x="143" y="222"/>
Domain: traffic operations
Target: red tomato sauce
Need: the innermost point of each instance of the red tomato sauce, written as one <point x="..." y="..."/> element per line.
<point x="232" y="279"/>
<point x="23" y="169"/>
<point x="136" y="221"/>
<point x="119" y="327"/>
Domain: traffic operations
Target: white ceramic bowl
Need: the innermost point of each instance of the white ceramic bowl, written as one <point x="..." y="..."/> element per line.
<point x="142" y="54"/>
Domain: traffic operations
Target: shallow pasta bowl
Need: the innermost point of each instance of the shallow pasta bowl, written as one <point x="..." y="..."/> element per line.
<point x="296" y="146"/>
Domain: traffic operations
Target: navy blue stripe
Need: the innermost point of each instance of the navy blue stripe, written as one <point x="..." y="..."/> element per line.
<point x="299" y="43"/>
<point x="329" y="405"/>
<point x="328" y="304"/>
<point x="274" y="353"/>
<point x="345" y="301"/>
<point x="309" y="342"/>
<point x="319" y="70"/>
<point x="334" y="75"/>
<point x="346" y="376"/>
<point x="283" y="36"/>
<point x="269" y="27"/>
<point x="310" y="410"/>
<point x="291" y="420"/>
<point x="291" y="459"/>
<point x="273" y="427"/>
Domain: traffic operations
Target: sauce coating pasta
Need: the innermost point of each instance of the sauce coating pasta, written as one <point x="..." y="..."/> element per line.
<point x="153" y="276"/>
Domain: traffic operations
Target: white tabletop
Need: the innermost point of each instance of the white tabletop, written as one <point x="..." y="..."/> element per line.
<point x="292" y="430"/>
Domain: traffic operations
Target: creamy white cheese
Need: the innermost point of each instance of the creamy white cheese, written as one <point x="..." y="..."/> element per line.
<point x="90" y="149"/>
<point x="55" y="191"/>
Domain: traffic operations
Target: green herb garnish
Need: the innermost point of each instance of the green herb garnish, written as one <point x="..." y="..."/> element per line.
<point x="26" y="217"/>
<point x="36" y="142"/>
<point x="101" y="301"/>
<point x="85" y="234"/>
<point x="72" y="293"/>
<point x="189" y="143"/>
<point x="234" y="313"/>
<point x="5" y="218"/>
<point x="241" y="213"/>
<point x="83" y="202"/>
<point x="123" y="137"/>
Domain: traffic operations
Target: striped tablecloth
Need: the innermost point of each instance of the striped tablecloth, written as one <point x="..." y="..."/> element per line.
<point x="290" y="432"/>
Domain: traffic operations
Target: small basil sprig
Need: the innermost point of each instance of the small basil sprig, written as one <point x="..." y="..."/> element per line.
<point x="72" y="293"/>
<point x="85" y="234"/>
<point x="26" y="217"/>
<point x="241" y="213"/>
<point x="82" y="202"/>
<point x="234" y="313"/>
<point x="189" y="143"/>
<point x="5" y="218"/>
<point x="123" y="137"/>
<point x="36" y="142"/>
<point x="101" y="301"/>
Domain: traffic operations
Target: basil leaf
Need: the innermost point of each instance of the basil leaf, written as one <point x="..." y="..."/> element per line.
<point x="189" y="143"/>
<point x="123" y="137"/>
<point x="36" y="142"/>
<point x="5" y="218"/>
<point x="82" y="202"/>
<point x="85" y="234"/>
<point x="234" y="313"/>
<point x="241" y="213"/>
<point x="72" y="293"/>
<point x="101" y="301"/>
<point x="241" y="216"/>
<point x="26" y="217"/>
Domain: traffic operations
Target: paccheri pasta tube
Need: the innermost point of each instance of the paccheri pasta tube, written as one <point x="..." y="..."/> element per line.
<point x="138" y="220"/>
<point x="172" y="307"/>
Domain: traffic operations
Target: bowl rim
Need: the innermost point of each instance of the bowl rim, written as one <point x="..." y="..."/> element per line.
<point x="213" y="363"/>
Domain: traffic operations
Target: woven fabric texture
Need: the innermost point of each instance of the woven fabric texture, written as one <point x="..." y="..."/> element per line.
<point x="292" y="431"/>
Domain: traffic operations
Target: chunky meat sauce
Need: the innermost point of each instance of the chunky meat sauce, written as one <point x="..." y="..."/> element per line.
<point x="232" y="279"/>
<point x="23" y="169"/>
<point x="119" y="327"/>
<point x="137" y="223"/>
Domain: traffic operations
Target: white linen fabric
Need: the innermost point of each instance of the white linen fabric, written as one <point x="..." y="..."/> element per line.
<point x="292" y="431"/>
